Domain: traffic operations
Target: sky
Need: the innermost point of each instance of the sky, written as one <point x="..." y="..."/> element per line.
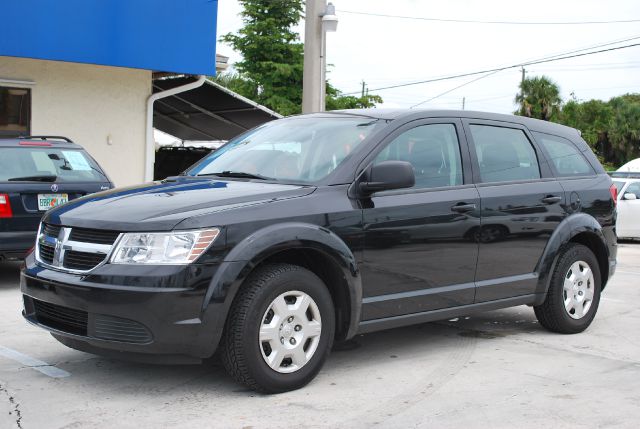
<point x="385" y="51"/>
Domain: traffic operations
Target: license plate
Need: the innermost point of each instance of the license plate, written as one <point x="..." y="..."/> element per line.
<point x="49" y="201"/>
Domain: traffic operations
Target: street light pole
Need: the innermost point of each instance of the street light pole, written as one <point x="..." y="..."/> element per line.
<point x="312" y="75"/>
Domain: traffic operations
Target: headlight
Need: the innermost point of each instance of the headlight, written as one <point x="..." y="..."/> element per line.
<point x="179" y="247"/>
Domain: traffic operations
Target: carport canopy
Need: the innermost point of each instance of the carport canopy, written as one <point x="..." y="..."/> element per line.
<point x="209" y="112"/>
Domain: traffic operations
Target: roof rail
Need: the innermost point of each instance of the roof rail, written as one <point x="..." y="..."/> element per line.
<point x="625" y="174"/>
<point x="67" y="139"/>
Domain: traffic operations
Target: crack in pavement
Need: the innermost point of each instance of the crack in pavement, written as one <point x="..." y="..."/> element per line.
<point x="14" y="405"/>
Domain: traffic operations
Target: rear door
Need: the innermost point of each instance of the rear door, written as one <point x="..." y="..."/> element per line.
<point x="418" y="255"/>
<point x="521" y="205"/>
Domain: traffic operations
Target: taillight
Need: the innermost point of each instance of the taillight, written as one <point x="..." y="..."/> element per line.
<point x="614" y="194"/>
<point x="5" y="206"/>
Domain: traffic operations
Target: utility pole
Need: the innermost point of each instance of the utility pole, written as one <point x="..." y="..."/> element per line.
<point x="523" y="72"/>
<point x="313" y="75"/>
<point x="463" y="100"/>
<point x="363" y="85"/>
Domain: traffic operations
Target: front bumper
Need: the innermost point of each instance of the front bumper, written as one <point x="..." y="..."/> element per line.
<point x="149" y="313"/>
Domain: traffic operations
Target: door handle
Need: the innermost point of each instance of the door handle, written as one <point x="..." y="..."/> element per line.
<point x="551" y="199"/>
<point x="463" y="208"/>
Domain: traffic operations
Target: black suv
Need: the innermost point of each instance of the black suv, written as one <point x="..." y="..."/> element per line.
<point x="315" y="228"/>
<point x="36" y="174"/>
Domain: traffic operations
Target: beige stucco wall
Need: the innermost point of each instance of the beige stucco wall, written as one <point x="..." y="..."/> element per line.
<point x="92" y="105"/>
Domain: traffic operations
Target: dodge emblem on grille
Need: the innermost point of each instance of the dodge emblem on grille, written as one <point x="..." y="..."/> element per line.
<point x="54" y="188"/>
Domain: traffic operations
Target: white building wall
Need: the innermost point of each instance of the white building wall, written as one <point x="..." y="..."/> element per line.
<point x="99" y="107"/>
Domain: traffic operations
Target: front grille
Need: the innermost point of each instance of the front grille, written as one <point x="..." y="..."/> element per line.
<point x="80" y="249"/>
<point x="46" y="253"/>
<point x="117" y="329"/>
<point x="61" y="318"/>
<point x="51" y="230"/>
<point x="97" y="236"/>
<point x="82" y="261"/>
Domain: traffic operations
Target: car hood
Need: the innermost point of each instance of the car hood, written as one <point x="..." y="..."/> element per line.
<point x="160" y="206"/>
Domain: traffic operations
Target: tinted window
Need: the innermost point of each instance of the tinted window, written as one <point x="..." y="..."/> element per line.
<point x="68" y="165"/>
<point x="504" y="154"/>
<point x="565" y="156"/>
<point x="434" y="152"/>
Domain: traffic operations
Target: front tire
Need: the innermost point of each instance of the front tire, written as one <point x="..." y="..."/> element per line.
<point x="574" y="292"/>
<point x="279" y="330"/>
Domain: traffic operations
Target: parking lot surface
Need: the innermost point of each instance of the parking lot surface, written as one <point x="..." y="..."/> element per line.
<point x="494" y="369"/>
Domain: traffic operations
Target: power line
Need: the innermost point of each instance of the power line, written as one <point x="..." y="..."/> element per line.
<point x="600" y="45"/>
<point x="469" y="21"/>
<point x="499" y="68"/>
<point x="582" y="69"/>
<point x="573" y="51"/>
<point x="457" y="87"/>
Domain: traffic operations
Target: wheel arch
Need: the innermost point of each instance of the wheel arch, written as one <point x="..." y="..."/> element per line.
<point x="310" y="246"/>
<point x="577" y="228"/>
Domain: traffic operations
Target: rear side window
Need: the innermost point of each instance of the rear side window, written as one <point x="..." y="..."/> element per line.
<point x="42" y="163"/>
<point x="434" y="152"/>
<point x="504" y="154"/>
<point x="565" y="156"/>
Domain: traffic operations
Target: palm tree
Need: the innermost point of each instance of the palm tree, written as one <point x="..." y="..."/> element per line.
<point x="539" y="97"/>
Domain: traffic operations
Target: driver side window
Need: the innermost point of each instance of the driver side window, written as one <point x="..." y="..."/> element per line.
<point x="434" y="152"/>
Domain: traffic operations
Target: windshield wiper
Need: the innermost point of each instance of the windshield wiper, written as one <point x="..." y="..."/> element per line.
<point x="43" y="178"/>
<point x="239" y="174"/>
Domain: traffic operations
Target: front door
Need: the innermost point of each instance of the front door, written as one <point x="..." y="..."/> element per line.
<point x="418" y="255"/>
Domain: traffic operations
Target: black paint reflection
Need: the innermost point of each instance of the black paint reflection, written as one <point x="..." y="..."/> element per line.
<point x="416" y="245"/>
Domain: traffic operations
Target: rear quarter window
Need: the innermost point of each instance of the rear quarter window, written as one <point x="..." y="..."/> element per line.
<point x="566" y="159"/>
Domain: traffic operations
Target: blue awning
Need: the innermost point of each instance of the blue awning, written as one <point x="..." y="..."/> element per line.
<point x="162" y="35"/>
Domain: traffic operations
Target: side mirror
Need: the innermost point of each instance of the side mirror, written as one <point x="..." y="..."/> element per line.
<point x="388" y="175"/>
<point x="629" y="196"/>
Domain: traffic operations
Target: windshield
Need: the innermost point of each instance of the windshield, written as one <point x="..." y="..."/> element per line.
<point x="295" y="150"/>
<point x="47" y="164"/>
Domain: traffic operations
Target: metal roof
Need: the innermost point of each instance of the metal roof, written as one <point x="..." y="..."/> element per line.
<point x="209" y="112"/>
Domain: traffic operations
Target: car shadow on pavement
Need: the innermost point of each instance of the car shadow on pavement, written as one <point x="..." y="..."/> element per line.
<point x="430" y="341"/>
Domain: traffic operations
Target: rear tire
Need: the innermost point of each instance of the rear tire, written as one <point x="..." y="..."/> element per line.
<point x="574" y="292"/>
<point x="279" y="330"/>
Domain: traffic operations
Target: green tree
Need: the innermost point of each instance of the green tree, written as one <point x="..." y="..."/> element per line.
<point x="336" y="101"/>
<point x="271" y="64"/>
<point x="539" y="97"/>
<point x="612" y="128"/>
<point x="270" y="71"/>
<point x="624" y="127"/>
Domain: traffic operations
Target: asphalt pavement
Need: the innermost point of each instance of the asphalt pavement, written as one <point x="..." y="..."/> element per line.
<point x="496" y="369"/>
